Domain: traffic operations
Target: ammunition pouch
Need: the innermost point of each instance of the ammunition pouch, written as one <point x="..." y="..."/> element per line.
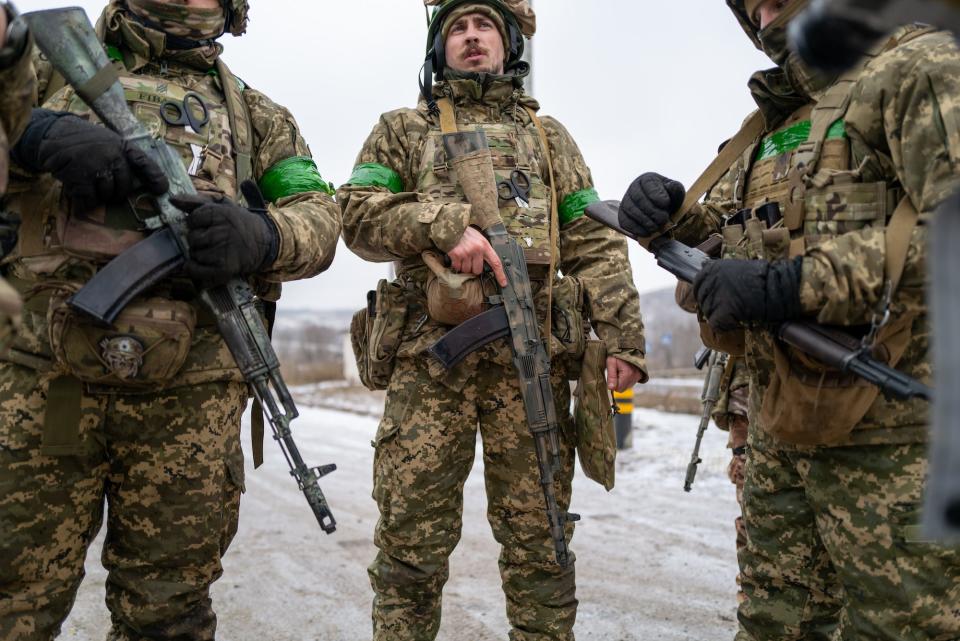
<point x="807" y="403"/>
<point x="596" y="439"/>
<point x="376" y="332"/>
<point x="569" y="326"/>
<point x="454" y="298"/>
<point x="145" y="348"/>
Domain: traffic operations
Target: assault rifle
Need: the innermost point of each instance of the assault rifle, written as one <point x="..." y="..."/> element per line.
<point x="832" y="347"/>
<point x="469" y="154"/>
<point x="68" y="40"/>
<point x="716" y="364"/>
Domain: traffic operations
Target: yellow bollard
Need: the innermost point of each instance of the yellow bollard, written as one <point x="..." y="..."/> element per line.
<point x="623" y="421"/>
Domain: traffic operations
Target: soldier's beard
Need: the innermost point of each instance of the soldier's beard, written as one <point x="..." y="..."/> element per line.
<point x="178" y="19"/>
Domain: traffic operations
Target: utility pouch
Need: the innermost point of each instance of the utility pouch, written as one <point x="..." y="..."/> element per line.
<point x="593" y="417"/>
<point x="145" y="347"/>
<point x="376" y="332"/>
<point x="776" y="243"/>
<point x="453" y="298"/>
<point x="569" y="326"/>
<point x="809" y="404"/>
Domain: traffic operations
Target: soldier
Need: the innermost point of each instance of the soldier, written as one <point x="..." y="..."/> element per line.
<point x="145" y="415"/>
<point x="404" y="204"/>
<point x="834" y="473"/>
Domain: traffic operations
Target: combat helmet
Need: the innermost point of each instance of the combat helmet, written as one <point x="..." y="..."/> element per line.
<point x="517" y="16"/>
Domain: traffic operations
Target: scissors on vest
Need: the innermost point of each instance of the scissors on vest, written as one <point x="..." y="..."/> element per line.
<point x="192" y="114"/>
<point x="517" y="188"/>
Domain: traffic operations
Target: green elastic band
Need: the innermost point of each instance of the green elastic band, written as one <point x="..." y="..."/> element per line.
<point x="114" y="53"/>
<point x="574" y="204"/>
<point x="785" y="141"/>
<point x="374" y="175"/>
<point x="293" y="176"/>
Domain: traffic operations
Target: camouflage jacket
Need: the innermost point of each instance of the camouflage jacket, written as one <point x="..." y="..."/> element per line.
<point x="903" y="129"/>
<point x="301" y="205"/>
<point x="19" y="88"/>
<point x="391" y="220"/>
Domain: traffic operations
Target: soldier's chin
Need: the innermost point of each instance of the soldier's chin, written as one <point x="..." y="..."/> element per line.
<point x="483" y="67"/>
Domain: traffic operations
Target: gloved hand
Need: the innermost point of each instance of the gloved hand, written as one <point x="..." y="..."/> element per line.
<point x="648" y="204"/>
<point x="92" y="162"/>
<point x="732" y="292"/>
<point x="226" y="240"/>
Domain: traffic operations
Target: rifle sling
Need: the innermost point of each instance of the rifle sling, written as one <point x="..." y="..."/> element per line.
<point x="257" y="423"/>
<point x="752" y="129"/>
<point x="899" y="233"/>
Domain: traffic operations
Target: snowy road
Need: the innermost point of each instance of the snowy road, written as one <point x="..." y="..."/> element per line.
<point x="653" y="563"/>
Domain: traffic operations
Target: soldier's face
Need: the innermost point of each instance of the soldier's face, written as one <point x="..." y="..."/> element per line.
<point x="474" y="44"/>
<point x="768" y="11"/>
<point x="203" y="4"/>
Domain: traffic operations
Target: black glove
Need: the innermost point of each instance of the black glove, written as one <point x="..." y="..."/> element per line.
<point x="732" y="292"/>
<point x="648" y="204"/>
<point x="92" y="162"/>
<point x="226" y="240"/>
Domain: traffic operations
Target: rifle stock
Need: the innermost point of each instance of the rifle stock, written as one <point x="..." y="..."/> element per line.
<point x="828" y="345"/>
<point x="68" y="40"/>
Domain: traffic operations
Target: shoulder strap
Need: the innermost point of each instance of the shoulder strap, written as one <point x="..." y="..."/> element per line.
<point x="899" y="233"/>
<point x="554" y="222"/>
<point x="448" y="117"/>
<point x="240" y="126"/>
<point x="738" y="145"/>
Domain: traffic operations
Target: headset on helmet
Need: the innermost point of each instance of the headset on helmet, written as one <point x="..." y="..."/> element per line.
<point x="436" y="61"/>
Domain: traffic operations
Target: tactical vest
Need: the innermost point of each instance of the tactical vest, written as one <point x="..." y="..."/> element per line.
<point x="804" y="166"/>
<point x="514" y="147"/>
<point x="54" y="229"/>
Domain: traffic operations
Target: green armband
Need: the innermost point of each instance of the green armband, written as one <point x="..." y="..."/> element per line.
<point x="573" y="205"/>
<point x="374" y="175"/>
<point x="293" y="176"/>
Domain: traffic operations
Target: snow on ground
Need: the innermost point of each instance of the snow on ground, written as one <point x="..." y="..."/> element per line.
<point x="653" y="563"/>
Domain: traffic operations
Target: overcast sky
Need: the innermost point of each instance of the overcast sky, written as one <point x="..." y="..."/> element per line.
<point x="641" y="85"/>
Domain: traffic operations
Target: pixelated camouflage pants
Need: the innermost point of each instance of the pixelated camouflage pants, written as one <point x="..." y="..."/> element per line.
<point x="833" y="541"/>
<point x="169" y="468"/>
<point x="738" y="426"/>
<point x="424" y="451"/>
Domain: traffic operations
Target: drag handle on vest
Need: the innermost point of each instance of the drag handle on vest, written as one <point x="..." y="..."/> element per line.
<point x="68" y="40"/>
<point x="708" y="397"/>
<point x="831" y="347"/>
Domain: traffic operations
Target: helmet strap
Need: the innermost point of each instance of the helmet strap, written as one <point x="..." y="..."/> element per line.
<point x="426" y="85"/>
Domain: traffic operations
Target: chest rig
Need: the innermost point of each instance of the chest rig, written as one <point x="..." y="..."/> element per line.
<point x="514" y="147"/>
<point x="216" y="153"/>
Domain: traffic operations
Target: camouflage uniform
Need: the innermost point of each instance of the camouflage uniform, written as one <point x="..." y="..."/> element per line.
<point x="399" y="203"/>
<point x="165" y="454"/>
<point x="731" y="415"/>
<point x="832" y="531"/>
